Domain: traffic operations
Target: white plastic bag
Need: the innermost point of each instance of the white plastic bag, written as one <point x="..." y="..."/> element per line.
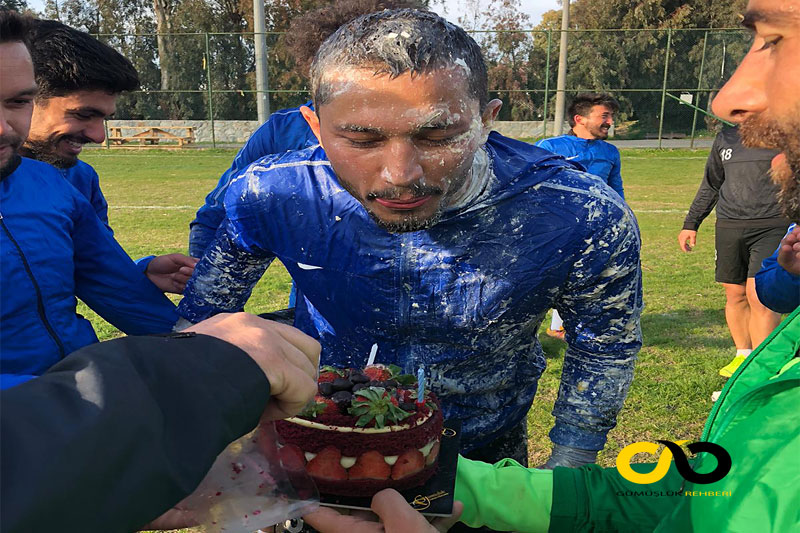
<point x="248" y="488"/>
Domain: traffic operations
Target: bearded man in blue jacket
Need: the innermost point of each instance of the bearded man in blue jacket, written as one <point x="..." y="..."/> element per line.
<point x="411" y="226"/>
<point x="79" y="80"/>
<point x="591" y="116"/>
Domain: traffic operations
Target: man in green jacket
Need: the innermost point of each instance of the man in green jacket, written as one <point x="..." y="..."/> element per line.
<point x="756" y="417"/>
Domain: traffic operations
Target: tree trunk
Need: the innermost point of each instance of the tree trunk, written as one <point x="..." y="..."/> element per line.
<point x="163" y="13"/>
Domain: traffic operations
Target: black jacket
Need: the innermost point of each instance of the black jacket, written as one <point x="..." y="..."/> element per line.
<point x="118" y="432"/>
<point x="737" y="181"/>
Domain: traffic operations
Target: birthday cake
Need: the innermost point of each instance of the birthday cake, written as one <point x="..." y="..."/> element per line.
<point x="367" y="430"/>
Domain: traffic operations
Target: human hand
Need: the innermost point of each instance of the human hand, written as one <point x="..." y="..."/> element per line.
<point x="288" y="357"/>
<point x="171" y="272"/>
<point x="394" y="513"/>
<point x="687" y="239"/>
<point x="789" y="252"/>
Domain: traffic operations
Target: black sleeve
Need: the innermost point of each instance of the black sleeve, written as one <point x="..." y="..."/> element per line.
<point x="708" y="193"/>
<point x="119" y="431"/>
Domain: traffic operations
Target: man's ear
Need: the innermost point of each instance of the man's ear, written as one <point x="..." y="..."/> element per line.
<point x="490" y="113"/>
<point x="313" y="122"/>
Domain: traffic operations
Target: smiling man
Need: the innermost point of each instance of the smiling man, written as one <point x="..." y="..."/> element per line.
<point x="413" y="227"/>
<point x="591" y="117"/>
<point x="79" y="81"/>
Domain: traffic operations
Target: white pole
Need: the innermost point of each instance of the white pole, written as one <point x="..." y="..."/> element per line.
<point x="259" y="27"/>
<point x="562" y="70"/>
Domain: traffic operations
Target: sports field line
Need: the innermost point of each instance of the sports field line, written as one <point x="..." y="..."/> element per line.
<point x="181" y="207"/>
<point x="165" y="207"/>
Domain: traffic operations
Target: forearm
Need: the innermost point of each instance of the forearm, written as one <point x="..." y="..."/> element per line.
<point x="592" y="392"/>
<point x="704" y="201"/>
<point x="147" y="417"/>
<point x="776" y="288"/>
<point x="112" y="285"/>
<point x="203" y="229"/>
<point x="708" y="193"/>
<point x="615" y="181"/>
<point x="222" y="280"/>
<point x="592" y="498"/>
<point x="505" y="496"/>
<point x="601" y="311"/>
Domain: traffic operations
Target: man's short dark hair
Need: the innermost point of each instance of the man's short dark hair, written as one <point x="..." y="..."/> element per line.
<point x="397" y="41"/>
<point x="14" y="28"/>
<point x="583" y="103"/>
<point x="67" y="60"/>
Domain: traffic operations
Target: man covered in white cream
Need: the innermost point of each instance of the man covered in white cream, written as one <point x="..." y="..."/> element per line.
<point x="413" y="227"/>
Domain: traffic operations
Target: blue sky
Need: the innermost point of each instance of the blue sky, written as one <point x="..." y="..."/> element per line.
<point x="534" y="8"/>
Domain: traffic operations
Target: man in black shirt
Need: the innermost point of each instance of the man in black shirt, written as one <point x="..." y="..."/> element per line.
<point x="749" y="227"/>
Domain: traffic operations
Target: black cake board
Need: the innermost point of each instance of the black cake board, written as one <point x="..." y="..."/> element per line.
<point x="435" y="497"/>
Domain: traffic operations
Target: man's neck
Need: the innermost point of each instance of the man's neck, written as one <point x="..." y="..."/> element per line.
<point x="582" y="134"/>
<point x="479" y="175"/>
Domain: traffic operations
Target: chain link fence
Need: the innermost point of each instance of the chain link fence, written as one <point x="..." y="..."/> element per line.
<point x="664" y="79"/>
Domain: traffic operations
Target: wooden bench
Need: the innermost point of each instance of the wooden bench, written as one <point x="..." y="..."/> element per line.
<point x="150" y="136"/>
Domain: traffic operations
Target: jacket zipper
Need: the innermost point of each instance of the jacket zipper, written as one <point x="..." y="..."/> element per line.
<point x="39" y="301"/>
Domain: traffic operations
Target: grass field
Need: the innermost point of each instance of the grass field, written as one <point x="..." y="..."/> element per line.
<point x="153" y="196"/>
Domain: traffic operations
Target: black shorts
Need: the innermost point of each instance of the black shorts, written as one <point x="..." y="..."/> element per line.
<point x="740" y="251"/>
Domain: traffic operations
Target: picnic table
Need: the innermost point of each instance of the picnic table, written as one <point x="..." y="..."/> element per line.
<point x="150" y="136"/>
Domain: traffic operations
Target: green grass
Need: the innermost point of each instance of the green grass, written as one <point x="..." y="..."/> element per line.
<point x="685" y="337"/>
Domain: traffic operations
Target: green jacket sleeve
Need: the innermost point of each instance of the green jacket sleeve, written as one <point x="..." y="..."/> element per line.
<point x="597" y="499"/>
<point x="504" y="496"/>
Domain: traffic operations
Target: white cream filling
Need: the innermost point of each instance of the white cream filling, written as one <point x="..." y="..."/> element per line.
<point x="347" y="461"/>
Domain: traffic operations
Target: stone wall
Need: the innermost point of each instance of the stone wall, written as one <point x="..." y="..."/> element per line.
<point x="238" y="131"/>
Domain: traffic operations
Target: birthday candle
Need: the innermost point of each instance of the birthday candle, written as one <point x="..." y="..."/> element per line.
<point x="420" y="385"/>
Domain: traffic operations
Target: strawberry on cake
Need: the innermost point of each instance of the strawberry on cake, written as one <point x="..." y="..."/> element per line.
<point x="365" y="431"/>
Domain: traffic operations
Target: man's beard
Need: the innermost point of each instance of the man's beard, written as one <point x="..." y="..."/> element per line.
<point x="760" y="131"/>
<point x="599" y="133"/>
<point x="14" y="141"/>
<point x="410" y="222"/>
<point x="46" y="150"/>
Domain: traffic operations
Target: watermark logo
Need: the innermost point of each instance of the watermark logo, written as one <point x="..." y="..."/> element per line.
<point x="673" y="449"/>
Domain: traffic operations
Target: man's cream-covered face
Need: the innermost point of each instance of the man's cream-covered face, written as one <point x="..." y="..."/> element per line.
<point x="762" y="94"/>
<point x="401" y="146"/>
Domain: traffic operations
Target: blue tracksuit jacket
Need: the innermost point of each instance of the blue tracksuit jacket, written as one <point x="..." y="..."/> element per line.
<point x="776" y="288"/>
<point x="598" y="157"/>
<point x="53" y="247"/>
<point x="284" y="130"/>
<point x="463" y="298"/>
<point x="84" y="178"/>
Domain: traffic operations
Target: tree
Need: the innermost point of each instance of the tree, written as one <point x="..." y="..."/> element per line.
<point x="634" y="59"/>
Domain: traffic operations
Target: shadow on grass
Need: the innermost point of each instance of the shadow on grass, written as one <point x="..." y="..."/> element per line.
<point x="686" y="328"/>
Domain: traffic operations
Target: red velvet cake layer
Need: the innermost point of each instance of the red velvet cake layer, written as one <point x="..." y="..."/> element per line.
<point x="354" y="444"/>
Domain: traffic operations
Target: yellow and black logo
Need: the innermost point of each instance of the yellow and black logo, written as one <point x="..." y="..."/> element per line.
<point x="673" y="449"/>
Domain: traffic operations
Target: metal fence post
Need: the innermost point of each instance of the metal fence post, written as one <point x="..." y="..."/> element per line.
<point x="664" y="87"/>
<point x="699" y="86"/>
<point x="546" y="84"/>
<point x="210" y="93"/>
